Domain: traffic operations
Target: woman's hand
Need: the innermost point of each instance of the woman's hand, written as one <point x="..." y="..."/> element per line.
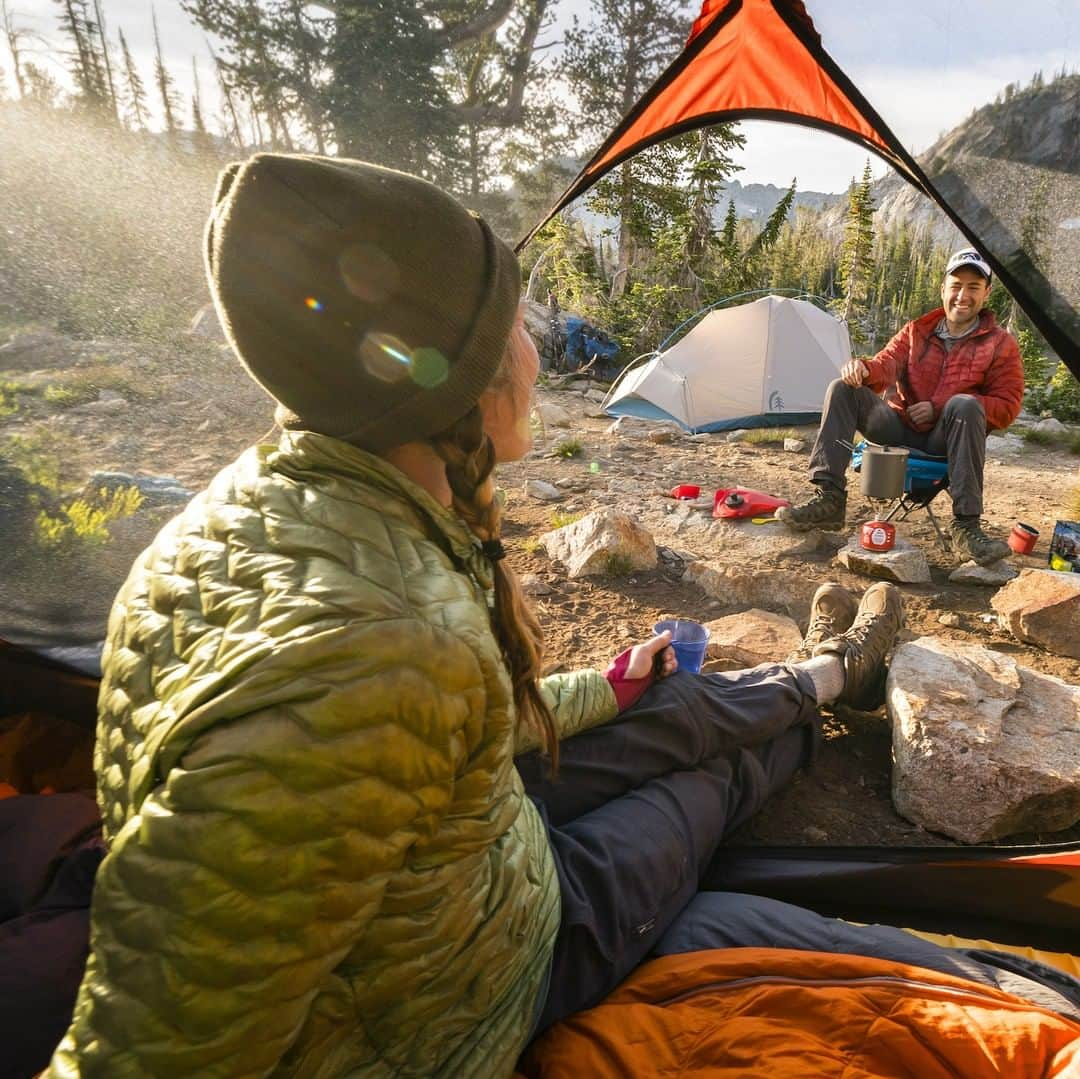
<point x="654" y="656"/>
<point x="633" y="671"/>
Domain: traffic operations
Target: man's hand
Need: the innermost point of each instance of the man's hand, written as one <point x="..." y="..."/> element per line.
<point x="921" y="412"/>
<point x="643" y="656"/>
<point x="854" y="372"/>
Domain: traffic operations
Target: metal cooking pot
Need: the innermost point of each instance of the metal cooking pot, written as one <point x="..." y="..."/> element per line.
<point x="882" y="472"/>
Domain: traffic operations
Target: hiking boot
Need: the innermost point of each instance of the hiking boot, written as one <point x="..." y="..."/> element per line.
<point x="970" y="542"/>
<point x="824" y="509"/>
<point x="831" y="612"/>
<point x="863" y="648"/>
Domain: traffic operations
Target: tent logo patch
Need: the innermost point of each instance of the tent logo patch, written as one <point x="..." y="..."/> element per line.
<point x="776" y="402"/>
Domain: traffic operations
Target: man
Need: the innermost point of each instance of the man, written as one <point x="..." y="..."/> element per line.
<point x="947" y="378"/>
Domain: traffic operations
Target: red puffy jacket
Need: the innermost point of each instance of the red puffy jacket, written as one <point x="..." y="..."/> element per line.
<point x="915" y="366"/>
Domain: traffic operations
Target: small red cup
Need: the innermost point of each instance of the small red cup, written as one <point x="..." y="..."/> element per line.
<point x="1022" y="538"/>
<point x="685" y="491"/>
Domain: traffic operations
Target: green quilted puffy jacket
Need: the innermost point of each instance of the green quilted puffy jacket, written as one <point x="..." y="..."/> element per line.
<point x="321" y="859"/>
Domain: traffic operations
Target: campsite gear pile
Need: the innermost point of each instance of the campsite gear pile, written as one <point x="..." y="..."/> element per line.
<point x="585" y="343"/>
<point x="761" y="364"/>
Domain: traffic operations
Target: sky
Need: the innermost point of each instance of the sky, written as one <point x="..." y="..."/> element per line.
<point x="923" y="64"/>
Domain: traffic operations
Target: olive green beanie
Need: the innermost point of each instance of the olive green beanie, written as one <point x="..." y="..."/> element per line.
<point x="371" y="305"/>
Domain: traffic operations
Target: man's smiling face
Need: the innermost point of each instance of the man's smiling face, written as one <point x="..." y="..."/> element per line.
<point x="963" y="295"/>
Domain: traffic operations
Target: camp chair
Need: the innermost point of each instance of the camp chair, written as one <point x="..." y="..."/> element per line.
<point x="925" y="477"/>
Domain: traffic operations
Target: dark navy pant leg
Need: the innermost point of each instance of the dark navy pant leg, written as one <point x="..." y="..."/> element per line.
<point x="641" y="805"/>
<point x="680" y="722"/>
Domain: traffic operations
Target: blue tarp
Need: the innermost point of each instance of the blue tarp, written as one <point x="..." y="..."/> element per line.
<point x="583" y="342"/>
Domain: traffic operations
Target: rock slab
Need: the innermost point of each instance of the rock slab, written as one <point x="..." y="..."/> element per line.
<point x="1042" y="607"/>
<point x="554" y="415"/>
<point x="742" y="586"/>
<point x="740" y="540"/>
<point x="905" y="563"/>
<point x="982" y="747"/>
<point x="752" y="637"/>
<point x="602" y="542"/>
<point x="545" y="492"/>
<point x="995" y="575"/>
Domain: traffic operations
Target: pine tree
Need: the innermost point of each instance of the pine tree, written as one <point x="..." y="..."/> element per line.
<point x="86" y="66"/>
<point x="755" y="271"/>
<point x="387" y="102"/>
<point x="41" y="88"/>
<point x="201" y="137"/>
<point x="857" y="254"/>
<point x="303" y="43"/>
<point x="608" y="63"/>
<point x="231" y="125"/>
<point x="381" y="79"/>
<point x="13" y="36"/>
<point x="134" y="90"/>
<point x="105" y="60"/>
<point x="165" y="85"/>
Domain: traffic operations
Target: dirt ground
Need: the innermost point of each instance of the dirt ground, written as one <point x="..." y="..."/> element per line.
<point x="187" y="412"/>
<point x="844" y="798"/>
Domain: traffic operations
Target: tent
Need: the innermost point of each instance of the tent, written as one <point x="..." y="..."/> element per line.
<point x="761" y="364"/>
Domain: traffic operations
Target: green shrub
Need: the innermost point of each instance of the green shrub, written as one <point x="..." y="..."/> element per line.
<point x="1063" y="395"/>
<point x="38" y="456"/>
<point x="618" y="565"/>
<point x="63" y="396"/>
<point x="9" y="404"/>
<point x="1074" y="444"/>
<point x="1039" y="438"/>
<point x="569" y="447"/>
<point x="82" y="521"/>
<point x="561" y="520"/>
<point x="1033" y="357"/>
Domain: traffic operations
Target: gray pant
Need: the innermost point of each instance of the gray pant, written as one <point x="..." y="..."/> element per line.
<point x="959" y="435"/>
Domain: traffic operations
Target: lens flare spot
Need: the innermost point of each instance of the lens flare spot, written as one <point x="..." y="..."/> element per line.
<point x="594" y="466"/>
<point x="369" y="273"/>
<point x="429" y="368"/>
<point x="313" y="305"/>
<point x="385" y="357"/>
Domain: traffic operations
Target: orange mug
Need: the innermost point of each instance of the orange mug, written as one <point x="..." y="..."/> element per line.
<point x="1022" y="538"/>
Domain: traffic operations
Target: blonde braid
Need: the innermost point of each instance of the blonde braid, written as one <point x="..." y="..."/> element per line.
<point x="470" y="463"/>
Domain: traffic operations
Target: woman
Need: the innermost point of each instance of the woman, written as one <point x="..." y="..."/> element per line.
<point x="322" y="858"/>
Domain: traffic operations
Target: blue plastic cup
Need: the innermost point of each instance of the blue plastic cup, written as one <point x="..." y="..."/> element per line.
<point x="688" y="639"/>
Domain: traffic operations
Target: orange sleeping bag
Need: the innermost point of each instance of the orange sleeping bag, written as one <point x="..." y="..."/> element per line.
<point x="792" y="1014"/>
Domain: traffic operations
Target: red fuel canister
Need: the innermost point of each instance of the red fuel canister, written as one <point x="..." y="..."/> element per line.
<point x="878" y="536"/>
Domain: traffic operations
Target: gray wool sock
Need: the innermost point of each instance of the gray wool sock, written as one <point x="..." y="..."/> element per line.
<point x="827" y="674"/>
